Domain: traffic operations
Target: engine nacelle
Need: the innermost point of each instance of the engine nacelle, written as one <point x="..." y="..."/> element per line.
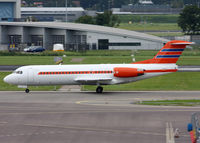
<point x="127" y="72"/>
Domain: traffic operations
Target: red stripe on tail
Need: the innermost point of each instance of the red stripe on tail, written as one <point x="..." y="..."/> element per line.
<point x="170" y="53"/>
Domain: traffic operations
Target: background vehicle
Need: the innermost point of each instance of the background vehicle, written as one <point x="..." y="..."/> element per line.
<point x="34" y="49"/>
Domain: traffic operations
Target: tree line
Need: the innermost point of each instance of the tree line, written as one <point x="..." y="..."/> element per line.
<point x="189" y="20"/>
<point x="104" y="19"/>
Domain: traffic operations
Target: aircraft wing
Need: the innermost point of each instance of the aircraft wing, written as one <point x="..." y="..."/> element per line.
<point x="93" y="80"/>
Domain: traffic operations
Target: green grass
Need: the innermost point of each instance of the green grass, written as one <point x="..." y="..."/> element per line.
<point x="149" y="18"/>
<point x="106" y="60"/>
<point x="29" y="60"/>
<point x="67" y="53"/>
<point x="160" y="34"/>
<point x="172" y="103"/>
<point x="150" y="26"/>
<point x="46" y="60"/>
<point x="108" y="53"/>
<point x="175" y="81"/>
<point x="7" y="87"/>
<point x="184" y="60"/>
<point x="188" y="58"/>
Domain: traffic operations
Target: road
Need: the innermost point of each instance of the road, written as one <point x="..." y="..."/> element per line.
<point x="9" y="67"/>
<point x="87" y="117"/>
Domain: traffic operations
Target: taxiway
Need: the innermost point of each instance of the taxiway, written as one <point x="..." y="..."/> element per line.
<point x="87" y="117"/>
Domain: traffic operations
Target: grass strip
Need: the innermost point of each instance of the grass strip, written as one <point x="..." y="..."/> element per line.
<point x="150" y="27"/>
<point x="171" y="102"/>
<point x="154" y="18"/>
<point x="49" y="60"/>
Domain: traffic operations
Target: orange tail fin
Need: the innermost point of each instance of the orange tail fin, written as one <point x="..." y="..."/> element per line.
<point x="170" y="53"/>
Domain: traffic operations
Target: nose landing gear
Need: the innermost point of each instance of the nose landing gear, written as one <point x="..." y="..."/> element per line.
<point x="27" y="90"/>
<point x="99" y="89"/>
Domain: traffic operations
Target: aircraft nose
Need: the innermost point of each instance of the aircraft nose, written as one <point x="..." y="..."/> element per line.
<point x="8" y="79"/>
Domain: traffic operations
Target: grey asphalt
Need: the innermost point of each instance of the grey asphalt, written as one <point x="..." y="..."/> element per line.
<point x="9" y="67"/>
<point x="189" y="69"/>
<point x="87" y="117"/>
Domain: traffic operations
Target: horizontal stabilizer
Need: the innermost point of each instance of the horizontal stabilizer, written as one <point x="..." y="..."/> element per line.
<point x="183" y="43"/>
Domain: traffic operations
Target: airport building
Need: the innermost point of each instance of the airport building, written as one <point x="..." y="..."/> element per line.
<point x="52" y="13"/>
<point x="147" y="7"/>
<point x="10" y="9"/>
<point x="74" y="36"/>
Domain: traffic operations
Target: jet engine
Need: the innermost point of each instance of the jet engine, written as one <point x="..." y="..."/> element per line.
<point x="127" y="72"/>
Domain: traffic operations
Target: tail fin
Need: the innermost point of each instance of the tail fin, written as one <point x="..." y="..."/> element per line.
<point x="170" y="53"/>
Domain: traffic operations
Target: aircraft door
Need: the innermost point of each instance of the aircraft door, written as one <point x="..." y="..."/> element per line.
<point x="30" y="76"/>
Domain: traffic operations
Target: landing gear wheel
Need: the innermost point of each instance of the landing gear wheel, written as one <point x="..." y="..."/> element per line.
<point x="99" y="89"/>
<point x="27" y="90"/>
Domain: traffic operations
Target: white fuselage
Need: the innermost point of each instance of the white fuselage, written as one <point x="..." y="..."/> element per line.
<point x="94" y="74"/>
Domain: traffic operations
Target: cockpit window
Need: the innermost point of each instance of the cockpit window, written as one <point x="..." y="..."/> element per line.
<point x="18" y="72"/>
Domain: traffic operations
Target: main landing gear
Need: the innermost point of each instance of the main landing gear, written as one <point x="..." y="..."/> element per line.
<point x="27" y="90"/>
<point x="99" y="89"/>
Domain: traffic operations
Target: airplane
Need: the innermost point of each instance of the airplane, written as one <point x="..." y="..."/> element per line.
<point x="99" y="74"/>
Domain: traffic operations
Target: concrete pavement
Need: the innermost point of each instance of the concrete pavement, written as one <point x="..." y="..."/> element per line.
<point x="61" y="117"/>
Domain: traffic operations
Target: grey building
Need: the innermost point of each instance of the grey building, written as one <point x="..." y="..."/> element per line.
<point x="53" y="13"/>
<point x="75" y="36"/>
<point x="10" y="9"/>
<point x="150" y="9"/>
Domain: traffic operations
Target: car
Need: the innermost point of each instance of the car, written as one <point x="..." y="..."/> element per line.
<point x="34" y="49"/>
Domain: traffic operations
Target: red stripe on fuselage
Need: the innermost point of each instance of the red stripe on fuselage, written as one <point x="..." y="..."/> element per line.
<point x="75" y="72"/>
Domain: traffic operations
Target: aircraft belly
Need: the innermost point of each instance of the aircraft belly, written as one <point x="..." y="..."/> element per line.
<point x="56" y="80"/>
